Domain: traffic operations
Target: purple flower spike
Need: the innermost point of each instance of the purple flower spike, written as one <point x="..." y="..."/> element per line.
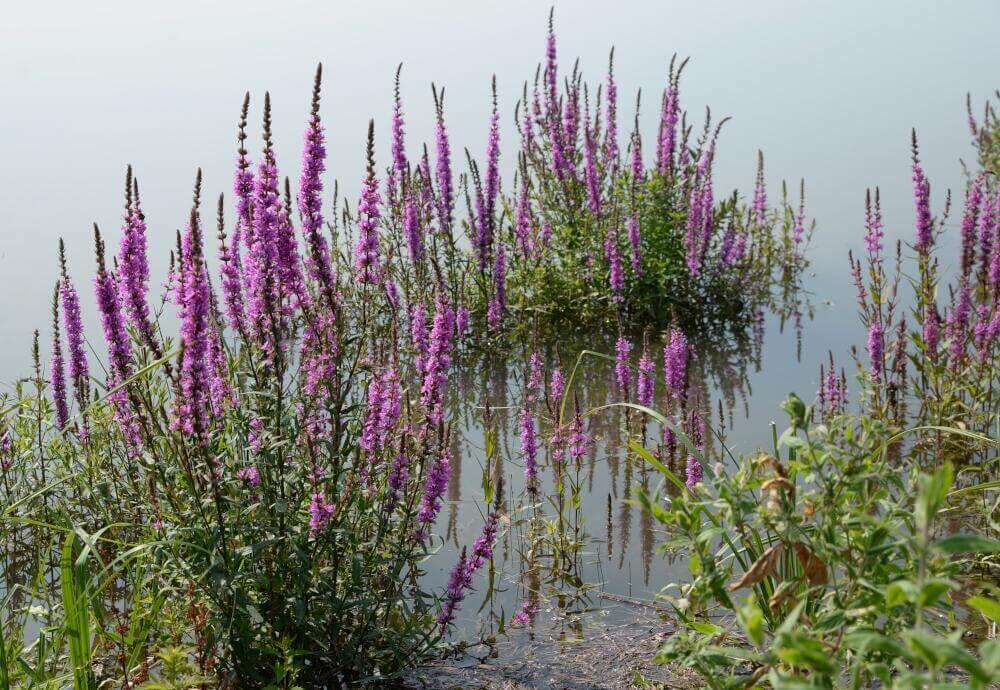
<point x="119" y="346"/>
<point x="398" y="172"/>
<point x="310" y="198"/>
<point x="876" y="349"/>
<point x="461" y="576"/>
<point x="675" y="363"/>
<point x="922" y="201"/>
<point x="191" y="409"/>
<point x="58" y="373"/>
<point x="434" y="488"/>
<point x="616" y="272"/>
<point x="73" y="324"/>
<point x="498" y="303"/>
<point x="438" y="361"/>
<point x="529" y="446"/>
<point x="133" y="266"/>
<point x="611" y="134"/>
<point x="446" y="193"/>
<point x="623" y="371"/>
<point x="579" y="441"/>
<point x="366" y="252"/>
<point x="694" y="472"/>
<point x="320" y="513"/>
<point x="647" y="382"/>
<point x="412" y="230"/>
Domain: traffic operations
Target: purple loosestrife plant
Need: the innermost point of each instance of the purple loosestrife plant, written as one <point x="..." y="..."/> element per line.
<point x="116" y="337"/>
<point x="931" y="331"/>
<point x="922" y="202"/>
<point x="234" y="278"/>
<point x="611" y="116"/>
<point x="876" y="349"/>
<point x="646" y="386"/>
<point x="461" y="576"/>
<point x="367" y="269"/>
<point x="112" y="319"/>
<point x="399" y="476"/>
<point x="623" y="370"/>
<point x="191" y="409"/>
<point x="534" y="388"/>
<point x="579" y="441"/>
<point x="445" y="188"/>
<point x="438" y="362"/>
<point x="616" y="272"/>
<point x="557" y="387"/>
<point x="418" y="335"/>
<point x="412" y="229"/>
<point x="79" y="372"/>
<point x="462" y="320"/>
<point x="591" y="173"/>
<point x="523" y="220"/>
<point x="973" y="199"/>
<point x="398" y="172"/>
<point x="498" y="303"/>
<point x="133" y="267"/>
<point x="486" y="223"/>
<point x="669" y="117"/>
<point x="986" y="228"/>
<point x="759" y="207"/>
<point x="58" y="370"/>
<point x="262" y="275"/>
<point x="675" y="355"/>
<point x="321" y="512"/>
<point x="434" y="488"/>
<point x="873" y="229"/>
<point x="694" y="472"/>
<point x="529" y="447"/>
<point x="310" y="199"/>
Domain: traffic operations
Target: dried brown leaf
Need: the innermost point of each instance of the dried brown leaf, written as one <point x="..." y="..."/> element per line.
<point x="760" y="569"/>
<point x="812" y="565"/>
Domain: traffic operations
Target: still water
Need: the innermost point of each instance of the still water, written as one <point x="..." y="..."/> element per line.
<point x="829" y="92"/>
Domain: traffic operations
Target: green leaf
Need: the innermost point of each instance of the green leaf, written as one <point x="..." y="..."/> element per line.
<point x="803" y="651"/>
<point x="937" y="651"/>
<point x="988" y="607"/>
<point x="932" y="489"/>
<point x="933" y="590"/>
<point x="967" y="543"/>
<point x="751" y="619"/>
<point x="705" y="628"/>
<point x="865" y="640"/>
<point x="900" y="592"/>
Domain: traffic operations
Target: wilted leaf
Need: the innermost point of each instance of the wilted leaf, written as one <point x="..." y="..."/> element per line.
<point x="812" y="565"/>
<point x="782" y="593"/>
<point x="777" y="483"/>
<point x="761" y="568"/>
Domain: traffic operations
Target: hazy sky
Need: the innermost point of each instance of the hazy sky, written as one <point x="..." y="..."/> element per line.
<point x="828" y="90"/>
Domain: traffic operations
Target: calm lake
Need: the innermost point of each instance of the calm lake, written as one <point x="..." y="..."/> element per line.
<point x="808" y="84"/>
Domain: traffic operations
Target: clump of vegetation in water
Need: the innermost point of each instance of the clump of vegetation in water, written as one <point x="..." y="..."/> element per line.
<point x="594" y="228"/>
